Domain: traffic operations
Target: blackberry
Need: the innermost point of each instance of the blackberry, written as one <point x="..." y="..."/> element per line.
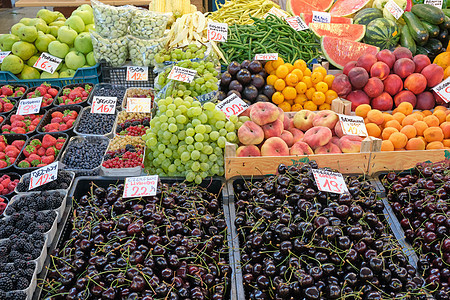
<point x="36" y="236"/>
<point x="36" y="253"/>
<point x="16" y="295"/>
<point x="20" y="264"/>
<point x="13" y="255"/>
<point x="3" y="251"/>
<point x="28" y="247"/>
<point x="6" y="284"/>
<point x="9" y="268"/>
<point x="22" y="283"/>
<point x="3" y="274"/>
<point x="2" y="294"/>
<point x="28" y="273"/>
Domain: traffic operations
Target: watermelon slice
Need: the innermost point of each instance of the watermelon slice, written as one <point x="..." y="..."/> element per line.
<point x="353" y="32"/>
<point x="307" y="17"/>
<point x="339" y="51"/>
<point x="296" y="7"/>
<point x="347" y="8"/>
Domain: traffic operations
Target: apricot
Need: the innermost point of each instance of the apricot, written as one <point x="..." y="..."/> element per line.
<point x="446" y="142"/>
<point x="420" y="127"/>
<point x="441" y="115"/>
<point x="427" y="112"/>
<point x="409" y="130"/>
<point x="387" y="117"/>
<point x="375" y="116"/>
<point x="433" y="134"/>
<point x="440" y="107"/>
<point x="387" y="146"/>
<point x="405" y="107"/>
<point x="393" y="123"/>
<point x="415" y="144"/>
<point x="419" y="116"/>
<point x="409" y="120"/>
<point x="398" y="116"/>
<point x="398" y="139"/>
<point x="447" y="118"/>
<point x="445" y="129"/>
<point x="373" y="130"/>
<point x="432" y="121"/>
<point x="435" y="145"/>
<point x="362" y="110"/>
<point x="387" y="132"/>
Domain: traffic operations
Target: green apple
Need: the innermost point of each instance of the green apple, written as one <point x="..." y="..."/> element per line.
<point x="83" y="43"/>
<point x="42" y="42"/>
<point x="90" y="59"/>
<point x="24" y="50"/>
<point x="15" y="28"/>
<point x="29" y="73"/>
<point x="46" y="75"/>
<point x="86" y="66"/>
<point x="52" y="37"/>
<point x="28" y="33"/>
<point x="7" y="40"/>
<point x="57" y="23"/>
<point x="60" y="16"/>
<point x="40" y="25"/>
<point x="32" y="60"/>
<point x="89" y="27"/>
<point x="25" y="21"/>
<point x="58" y="49"/>
<point x="76" y="23"/>
<point x="85" y="15"/>
<point x="85" y="7"/>
<point x="67" y="35"/>
<point x="47" y="15"/>
<point x="13" y="64"/>
<point x="75" y="60"/>
<point x="63" y="67"/>
<point x="67" y="73"/>
<point x="53" y="30"/>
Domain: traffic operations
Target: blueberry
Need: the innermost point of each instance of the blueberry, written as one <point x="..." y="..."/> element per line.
<point x="98" y="124"/>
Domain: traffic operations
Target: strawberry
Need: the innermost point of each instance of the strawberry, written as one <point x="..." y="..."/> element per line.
<point x="41" y="151"/>
<point x="29" y="150"/>
<point x="70" y="122"/>
<point x="2" y="187"/>
<point x="57" y="120"/>
<point x="51" y="151"/>
<point x="8" y="106"/>
<point x="52" y="126"/>
<point x="48" y="141"/>
<point x="7" y="90"/>
<point x="18" y="144"/>
<point x="36" y="143"/>
<point x="42" y="90"/>
<point x="35" y="122"/>
<point x="12" y="159"/>
<point x="18" y="130"/>
<point x="2" y="146"/>
<point x="6" y="127"/>
<point x="41" y="165"/>
<point x="18" y="124"/>
<point x="59" y="146"/>
<point x="18" y="93"/>
<point x="6" y="181"/>
<point x="3" y="164"/>
<point x="31" y="127"/>
<point x="12" y="185"/>
<point x="16" y="118"/>
<point x="48" y="159"/>
<point x="12" y="152"/>
<point x="24" y="164"/>
<point x="53" y="92"/>
<point x="2" y="155"/>
<point x="60" y="140"/>
<point x="63" y="127"/>
<point x="57" y="114"/>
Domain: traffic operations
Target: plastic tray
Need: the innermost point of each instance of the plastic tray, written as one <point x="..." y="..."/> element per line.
<point x="97" y="92"/>
<point x="31" y="288"/>
<point x="15" y="102"/>
<point x="118" y="75"/>
<point x="27" y="175"/>
<point x="11" y="138"/>
<point x="13" y="176"/>
<point x="71" y="86"/>
<point x="115" y="172"/>
<point x="116" y="122"/>
<point x="124" y="102"/>
<point x="31" y="89"/>
<point x="48" y="117"/>
<point x="87" y="110"/>
<point x="42" y="112"/>
<point x="16" y="85"/>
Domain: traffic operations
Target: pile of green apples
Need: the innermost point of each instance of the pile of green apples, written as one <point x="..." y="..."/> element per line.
<point x="68" y="39"/>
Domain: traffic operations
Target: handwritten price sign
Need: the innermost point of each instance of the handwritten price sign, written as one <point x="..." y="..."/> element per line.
<point x="4" y="54"/>
<point x="139" y="105"/>
<point x="353" y="125"/>
<point x="443" y="90"/>
<point x="266" y="56"/>
<point x="297" y="23"/>
<point x="43" y="175"/>
<point x="321" y="17"/>
<point x="435" y="3"/>
<point x="137" y="73"/>
<point x="47" y="63"/>
<point x="232" y="105"/>
<point x="394" y="9"/>
<point x="103" y="105"/>
<point x="182" y="74"/>
<point x="277" y="12"/>
<point x="29" y="106"/>
<point x="140" y="186"/>
<point x="330" y="181"/>
<point x="217" y="32"/>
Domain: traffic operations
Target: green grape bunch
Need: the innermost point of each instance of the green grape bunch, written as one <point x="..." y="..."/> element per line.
<point x="192" y="51"/>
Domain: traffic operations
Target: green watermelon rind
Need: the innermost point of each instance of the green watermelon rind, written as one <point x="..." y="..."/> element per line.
<point x="356" y="39"/>
<point x="384" y="28"/>
<point x="367" y="15"/>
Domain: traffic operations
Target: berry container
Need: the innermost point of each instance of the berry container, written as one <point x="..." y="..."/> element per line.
<point x="27" y="176"/>
<point x="82" y="115"/>
<point x="101" y="88"/>
<point x="7" y="121"/>
<point x="49" y="235"/>
<point x="15" y="102"/>
<point x="16" y="85"/>
<point x="115" y="172"/>
<point x="117" y="119"/>
<point x="4" y="200"/>
<point x="71" y="86"/>
<point x="11" y="138"/>
<point x="32" y="287"/>
<point x="48" y="117"/>
<point x="13" y="176"/>
<point x="124" y="102"/>
<point x="32" y="89"/>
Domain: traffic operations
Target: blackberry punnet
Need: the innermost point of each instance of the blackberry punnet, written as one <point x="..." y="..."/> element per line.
<point x="36" y="202"/>
<point x="62" y="182"/>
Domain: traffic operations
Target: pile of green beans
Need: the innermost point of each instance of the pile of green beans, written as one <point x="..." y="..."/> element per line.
<point x="271" y="35"/>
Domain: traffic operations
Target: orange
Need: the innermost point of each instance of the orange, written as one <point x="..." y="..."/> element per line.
<point x="282" y="71"/>
<point x="309" y="93"/>
<point x="285" y="106"/>
<point x="271" y="79"/>
<point x="325" y="106"/>
<point x="432" y="121"/>
<point x="308" y="81"/>
<point x="289" y="66"/>
<point x="398" y="139"/>
<point x="277" y="98"/>
<point x="277" y="63"/>
<point x="373" y="130"/>
<point x="309" y="105"/>
<point x="296" y="107"/>
<point x="321" y="70"/>
<point x="290" y="101"/>
<point x="307" y="72"/>
<point x="300" y="64"/>
<point x="420" y="127"/>
<point x="394" y="124"/>
<point x="330" y="95"/>
<point x="268" y="67"/>
<point x="409" y="130"/>
<point x="387" y="146"/>
<point x="300" y="99"/>
<point x="405" y="107"/>
<point x="387" y="132"/>
<point x="322" y="87"/>
<point x="291" y="79"/>
<point x="362" y="110"/>
<point x="318" y="98"/>
<point x="441" y="115"/>
<point x="289" y="93"/>
<point x="399" y="117"/>
<point x="316" y="77"/>
<point x="279" y="84"/>
<point x="298" y="73"/>
<point x="329" y="80"/>
<point x="301" y="87"/>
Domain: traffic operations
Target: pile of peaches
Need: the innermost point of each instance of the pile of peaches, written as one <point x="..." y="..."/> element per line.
<point x="271" y="132"/>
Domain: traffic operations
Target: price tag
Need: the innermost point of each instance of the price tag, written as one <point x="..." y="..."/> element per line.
<point x="139" y="105"/>
<point x="4" y="54"/>
<point x="330" y="181"/>
<point x="435" y="3"/>
<point x="29" y="106"/>
<point x="103" y="105"/>
<point x="353" y="125"/>
<point x="137" y="73"/>
<point x="140" y="186"/>
<point x="276" y="12"/>
<point x="266" y="56"/>
<point x="232" y="105"/>
<point x="217" y="32"/>
<point x="394" y="9"/>
<point x="297" y="23"/>
<point x="321" y="17"/>
<point x="43" y="175"/>
<point x="47" y="63"/>
<point x="443" y="90"/>
<point x="182" y="74"/>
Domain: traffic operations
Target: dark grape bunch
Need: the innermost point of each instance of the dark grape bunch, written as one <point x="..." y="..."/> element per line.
<point x="36" y="201"/>
<point x="28" y="222"/>
<point x="300" y="243"/>
<point x="63" y="182"/>
<point x="168" y="246"/>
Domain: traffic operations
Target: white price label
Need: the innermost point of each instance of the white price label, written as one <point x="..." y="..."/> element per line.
<point x="29" y="106"/>
<point x="232" y="105"/>
<point x="47" y="63"/>
<point x="394" y="9"/>
<point x="103" y="105"/>
<point x="43" y="175"/>
<point x="330" y="181"/>
<point x="4" y="54"/>
<point x="297" y="23"/>
<point x="137" y="73"/>
<point x="443" y="90"/>
<point x="321" y="17"/>
<point x="182" y="74"/>
<point x="142" y="186"/>
<point x="435" y="3"/>
<point x="217" y="32"/>
<point x="353" y="125"/>
<point x="139" y="105"/>
<point x="276" y="12"/>
<point x="266" y="56"/>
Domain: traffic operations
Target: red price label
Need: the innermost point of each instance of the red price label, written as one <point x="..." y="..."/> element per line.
<point x="139" y="105"/>
<point x="103" y="105"/>
<point x="232" y="105"/>
<point x="29" y="106"/>
<point x="47" y="63"/>
<point x="3" y="55"/>
<point x="140" y="186"/>
<point x="330" y="181"/>
<point x="266" y="56"/>
<point x="217" y="32"/>
<point x="43" y="175"/>
<point x="137" y="73"/>
<point x="297" y="23"/>
<point x="443" y="90"/>
<point x="182" y="74"/>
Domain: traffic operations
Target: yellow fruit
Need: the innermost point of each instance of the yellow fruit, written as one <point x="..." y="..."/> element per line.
<point x="271" y="79"/>
<point x="307" y="72"/>
<point x="321" y="70"/>
<point x="277" y="98"/>
<point x="296" y="107"/>
<point x="300" y="99"/>
<point x="300" y="64"/>
<point x="325" y="106"/>
<point x="330" y="95"/>
<point x="268" y="67"/>
<point x="309" y="105"/>
<point x="291" y="79"/>
<point x="316" y="77"/>
<point x="301" y="87"/>
<point x="318" y="98"/>
<point x="285" y="106"/>
<point x="298" y="73"/>
<point x="279" y="84"/>
<point x="289" y="66"/>
<point x="277" y="63"/>
<point x="282" y="71"/>
<point x="291" y="102"/>
<point x="322" y="87"/>
<point x="309" y="93"/>
<point x="289" y="93"/>
<point x="447" y="72"/>
<point x="308" y="81"/>
<point x="329" y="80"/>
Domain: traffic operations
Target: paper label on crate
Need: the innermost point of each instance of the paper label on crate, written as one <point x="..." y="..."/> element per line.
<point x="43" y="175"/>
<point x="353" y="125"/>
<point x="435" y="3"/>
<point x="217" y="32"/>
<point x="142" y="186"/>
<point x="47" y="63"/>
<point x="103" y="105"/>
<point x="321" y="17"/>
<point x="266" y="56"/>
<point x="297" y="23"/>
<point x="4" y="54"/>
<point x="232" y="105"/>
<point x="182" y="74"/>
<point x="443" y="90"/>
<point x="328" y="181"/>
<point x="394" y="9"/>
<point x="276" y="12"/>
<point x="29" y="106"/>
<point x="139" y="105"/>
<point x="137" y="73"/>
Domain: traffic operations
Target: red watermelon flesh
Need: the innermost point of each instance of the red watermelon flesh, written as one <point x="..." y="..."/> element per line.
<point x="346" y="8"/>
<point x="353" y="32"/>
<point x="339" y="51"/>
<point x="307" y="17"/>
<point x="296" y="7"/>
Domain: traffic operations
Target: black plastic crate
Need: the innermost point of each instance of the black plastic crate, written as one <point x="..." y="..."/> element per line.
<point x="118" y="75"/>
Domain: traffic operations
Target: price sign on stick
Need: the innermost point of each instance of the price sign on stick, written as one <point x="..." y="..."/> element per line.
<point x="217" y="32"/>
<point x="394" y="9"/>
<point x="182" y="74"/>
<point x="329" y="181"/>
<point x="29" y="106"/>
<point x="321" y="17"/>
<point x="3" y="55"/>
<point x="43" y="175"/>
<point x="103" y="105"/>
<point x="443" y="90"/>
<point x="137" y="73"/>
<point x="47" y="63"/>
<point x="232" y="105"/>
<point x="139" y="105"/>
<point x="140" y="186"/>
<point x="353" y="125"/>
<point x="266" y="56"/>
<point x="297" y="23"/>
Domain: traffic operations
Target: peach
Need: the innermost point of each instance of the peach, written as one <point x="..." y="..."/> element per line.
<point x="317" y="136"/>
<point x="341" y="85"/>
<point x="362" y="110"/>
<point x="432" y="121"/>
<point x="433" y="134"/>
<point x="398" y="139"/>
<point x="410" y="131"/>
<point x="264" y="113"/>
<point x="288" y="120"/>
<point x="288" y="137"/>
<point x="373" y="130"/>
<point x="338" y="129"/>
<point x="246" y="113"/>
<point x="348" y="66"/>
<point x="375" y="116"/>
<point x="421" y="62"/>
<point x="382" y="102"/>
<point x="402" y="52"/>
<point x="366" y="61"/>
<point x="374" y="87"/>
<point x="415" y="144"/>
<point x="387" y="57"/>
<point x="416" y="83"/>
<point x="272" y="129"/>
<point x="387" y="132"/>
<point x="445" y="129"/>
<point x="248" y="151"/>
<point x="303" y="119"/>
<point x="301" y="148"/>
<point x="335" y="140"/>
<point x="281" y="115"/>
<point x="425" y="101"/>
<point x="357" y="98"/>
<point x="274" y="146"/>
<point x="435" y="145"/>
<point x="326" y="118"/>
<point x="393" y="84"/>
<point x="250" y="133"/>
<point x="297" y="134"/>
<point x="380" y="70"/>
<point x="404" y="67"/>
<point x="350" y="144"/>
<point x="358" y="77"/>
<point x="434" y="74"/>
<point x="328" y="149"/>
<point x="405" y="96"/>
<point x="387" y="146"/>
<point x="420" y="127"/>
